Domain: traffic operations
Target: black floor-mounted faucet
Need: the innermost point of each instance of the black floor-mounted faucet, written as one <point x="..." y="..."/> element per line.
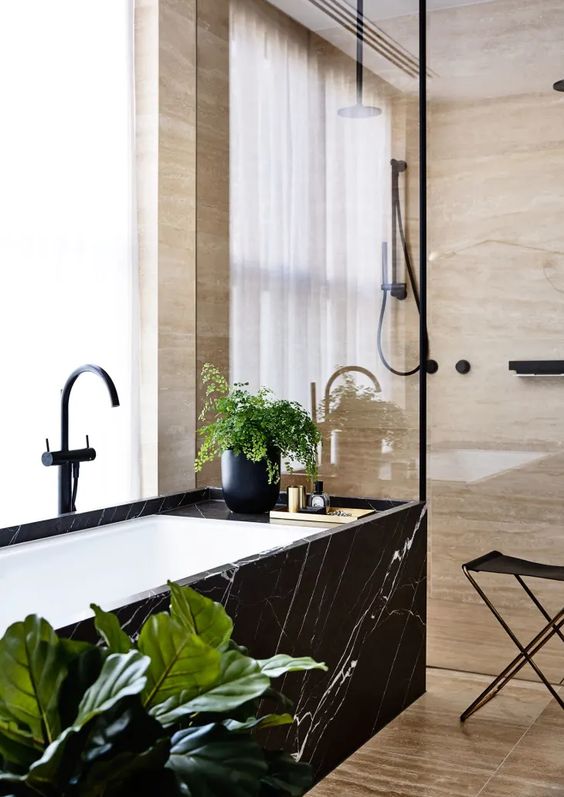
<point x="69" y="460"/>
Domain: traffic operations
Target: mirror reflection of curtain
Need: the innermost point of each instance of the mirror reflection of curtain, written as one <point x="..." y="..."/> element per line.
<point x="309" y="194"/>
<point x="67" y="247"/>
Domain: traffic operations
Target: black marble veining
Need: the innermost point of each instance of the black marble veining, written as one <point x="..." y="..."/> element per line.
<point x="352" y="596"/>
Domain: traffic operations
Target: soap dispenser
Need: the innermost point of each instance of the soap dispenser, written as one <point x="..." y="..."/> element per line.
<point x="318" y="499"/>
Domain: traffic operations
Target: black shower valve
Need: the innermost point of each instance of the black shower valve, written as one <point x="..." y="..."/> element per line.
<point x="431" y="366"/>
<point x="398" y="290"/>
<point x="463" y="367"/>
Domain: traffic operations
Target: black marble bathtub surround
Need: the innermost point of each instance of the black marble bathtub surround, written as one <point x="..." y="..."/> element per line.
<point x="353" y="596"/>
<point x="80" y="521"/>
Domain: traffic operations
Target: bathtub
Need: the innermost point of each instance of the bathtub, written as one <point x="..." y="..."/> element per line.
<point x="61" y="576"/>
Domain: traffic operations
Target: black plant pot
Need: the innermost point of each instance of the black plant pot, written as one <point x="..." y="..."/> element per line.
<point x="245" y="483"/>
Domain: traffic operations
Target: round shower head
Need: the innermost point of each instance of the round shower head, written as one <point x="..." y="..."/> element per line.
<point x="559" y="85"/>
<point x="359" y="111"/>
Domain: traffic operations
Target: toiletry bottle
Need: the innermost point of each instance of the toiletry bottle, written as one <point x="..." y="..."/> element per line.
<point x="318" y="499"/>
<point x="293" y="499"/>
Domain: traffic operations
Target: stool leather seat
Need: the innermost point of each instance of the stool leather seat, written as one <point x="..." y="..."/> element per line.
<point x="496" y="562"/>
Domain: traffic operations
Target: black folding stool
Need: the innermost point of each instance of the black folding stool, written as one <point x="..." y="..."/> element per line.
<point x="496" y="562"/>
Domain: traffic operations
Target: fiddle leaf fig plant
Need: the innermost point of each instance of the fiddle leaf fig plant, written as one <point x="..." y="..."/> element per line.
<point x="254" y="424"/>
<point x="174" y="713"/>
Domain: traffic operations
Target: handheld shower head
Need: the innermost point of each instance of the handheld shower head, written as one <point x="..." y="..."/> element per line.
<point x="559" y="85"/>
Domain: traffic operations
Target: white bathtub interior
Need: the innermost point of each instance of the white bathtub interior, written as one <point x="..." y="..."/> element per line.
<point x="61" y="576"/>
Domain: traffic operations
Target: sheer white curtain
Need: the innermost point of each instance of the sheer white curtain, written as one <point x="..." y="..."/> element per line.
<point x="67" y="247"/>
<point x="309" y="211"/>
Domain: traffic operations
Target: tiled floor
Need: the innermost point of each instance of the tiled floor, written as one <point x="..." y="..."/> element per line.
<point x="513" y="747"/>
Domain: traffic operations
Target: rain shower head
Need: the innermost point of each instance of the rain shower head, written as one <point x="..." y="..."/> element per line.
<point x="359" y="110"/>
<point x="559" y="85"/>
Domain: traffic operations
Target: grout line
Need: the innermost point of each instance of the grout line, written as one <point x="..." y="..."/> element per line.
<point x="517" y="743"/>
<point x="531" y="682"/>
<point x="502" y="762"/>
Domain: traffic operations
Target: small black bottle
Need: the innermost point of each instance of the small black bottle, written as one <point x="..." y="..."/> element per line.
<point x="318" y="499"/>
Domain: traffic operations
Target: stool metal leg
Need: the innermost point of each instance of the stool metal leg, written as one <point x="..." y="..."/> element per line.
<point x="514" y="667"/>
<point x="537" y="603"/>
<point x="524" y="657"/>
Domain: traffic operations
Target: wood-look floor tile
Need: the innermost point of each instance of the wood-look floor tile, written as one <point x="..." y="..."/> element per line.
<point x="427" y="752"/>
<point x="535" y="767"/>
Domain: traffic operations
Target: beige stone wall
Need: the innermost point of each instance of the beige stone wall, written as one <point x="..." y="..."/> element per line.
<point x="496" y="293"/>
<point x="177" y="245"/>
<point x="212" y="214"/>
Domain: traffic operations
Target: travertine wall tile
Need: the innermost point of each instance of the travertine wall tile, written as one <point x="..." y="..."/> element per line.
<point x="496" y="170"/>
<point x="177" y="244"/>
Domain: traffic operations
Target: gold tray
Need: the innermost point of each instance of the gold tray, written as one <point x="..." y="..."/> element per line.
<point x="330" y="517"/>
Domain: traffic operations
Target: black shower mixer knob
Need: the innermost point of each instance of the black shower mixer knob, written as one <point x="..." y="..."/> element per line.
<point x="463" y="367"/>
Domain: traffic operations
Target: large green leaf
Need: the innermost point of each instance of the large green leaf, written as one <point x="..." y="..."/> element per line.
<point x="17" y="746"/>
<point x="211" y="762"/>
<point x="240" y="680"/>
<point x="33" y="665"/>
<point x="74" y="647"/>
<point x="181" y="663"/>
<point x="107" y="625"/>
<point x="285" y="776"/>
<point x="281" y="664"/>
<point x="277" y="698"/>
<point x="122" y="744"/>
<point x="106" y="750"/>
<point x="83" y="670"/>
<point x="200" y="615"/>
<point x="122" y="674"/>
<point x="49" y="773"/>
<point x="256" y="723"/>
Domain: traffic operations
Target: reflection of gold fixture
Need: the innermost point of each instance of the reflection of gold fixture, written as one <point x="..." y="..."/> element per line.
<point x="334" y="376"/>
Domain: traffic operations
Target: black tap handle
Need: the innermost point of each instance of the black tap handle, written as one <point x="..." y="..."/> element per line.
<point x="47" y="444"/>
<point x="87" y="442"/>
<point x="66" y="457"/>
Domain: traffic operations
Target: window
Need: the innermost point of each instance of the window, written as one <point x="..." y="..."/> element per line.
<point x="67" y="247"/>
<point x="309" y="193"/>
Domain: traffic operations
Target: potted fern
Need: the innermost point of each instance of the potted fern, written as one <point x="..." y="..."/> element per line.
<point x="174" y="713"/>
<point x="253" y="433"/>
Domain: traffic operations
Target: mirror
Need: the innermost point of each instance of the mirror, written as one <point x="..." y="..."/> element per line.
<point x="182" y="183"/>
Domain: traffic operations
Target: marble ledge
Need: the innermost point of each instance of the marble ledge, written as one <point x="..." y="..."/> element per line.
<point x="202" y="502"/>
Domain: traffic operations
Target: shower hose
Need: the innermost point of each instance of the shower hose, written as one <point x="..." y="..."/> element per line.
<point x="397" y="216"/>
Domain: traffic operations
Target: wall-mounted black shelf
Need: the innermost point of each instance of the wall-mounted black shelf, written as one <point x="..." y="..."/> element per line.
<point x="537" y="367"/>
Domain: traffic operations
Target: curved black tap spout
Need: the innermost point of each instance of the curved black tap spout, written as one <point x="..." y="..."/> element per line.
<point x="65" y="396"/>
<point x="67" y="461"/>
